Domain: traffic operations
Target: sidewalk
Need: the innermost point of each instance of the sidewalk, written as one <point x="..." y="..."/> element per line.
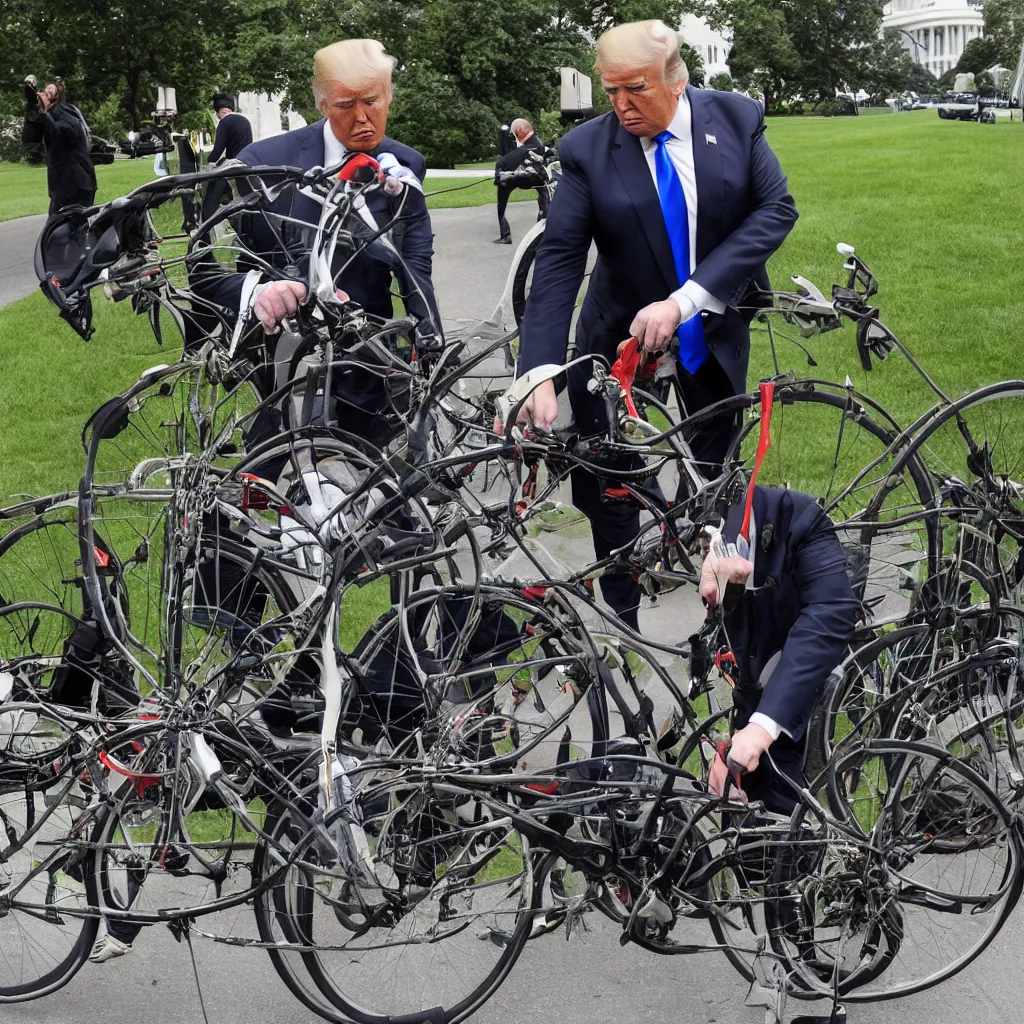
<point x="17" y="247"/>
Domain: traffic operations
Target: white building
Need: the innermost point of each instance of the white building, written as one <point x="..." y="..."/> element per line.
<point x="265" y="114"/>
<point x="934" y="32"/>
<point x="711" y="45"/>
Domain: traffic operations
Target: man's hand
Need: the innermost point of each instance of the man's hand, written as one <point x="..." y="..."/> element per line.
<point x="748" y="744"/>
<point x="717" y="572"/>
<point x="277" y="300"/>
<point x="655" y="324"/>
<point x="540" y="409"/>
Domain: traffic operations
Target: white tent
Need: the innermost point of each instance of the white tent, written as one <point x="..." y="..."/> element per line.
<point x="1017" y="82"/>
<point x="999" y="76"/>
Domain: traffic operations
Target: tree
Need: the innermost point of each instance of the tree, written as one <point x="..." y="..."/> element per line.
<point x="979" y="55"/>
<point x="921" y="80"/>
<point x="763" y="58"/>
<point x="1004" y="24"/>
<point x="597" y="16"/>
<point x="722" y="82"/>
<point x="887" y="69"/>
<point x="835" y="40"/>
<point x="694" y="64"/>
<point x="432" y="114"/>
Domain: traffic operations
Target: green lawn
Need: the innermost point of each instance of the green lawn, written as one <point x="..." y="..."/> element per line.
<point x="935" y="207"/>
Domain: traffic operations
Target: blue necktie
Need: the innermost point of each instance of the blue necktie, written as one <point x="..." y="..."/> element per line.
<point x="693" y="350"/>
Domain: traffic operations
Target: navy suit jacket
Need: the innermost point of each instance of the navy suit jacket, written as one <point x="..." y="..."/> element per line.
<point x="606" y="195"/>
<point x="366" y="280"/>
<point x="802" y="605"/>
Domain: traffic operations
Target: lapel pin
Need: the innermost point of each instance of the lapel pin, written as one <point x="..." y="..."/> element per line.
<point x="711" y="140"/>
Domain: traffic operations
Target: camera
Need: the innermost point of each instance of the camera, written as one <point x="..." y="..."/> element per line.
<point x="31" y="90"/>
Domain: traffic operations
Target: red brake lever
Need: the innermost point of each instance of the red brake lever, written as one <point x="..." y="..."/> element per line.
<point x="624" y="370"/>
<point x="764" y="442"/>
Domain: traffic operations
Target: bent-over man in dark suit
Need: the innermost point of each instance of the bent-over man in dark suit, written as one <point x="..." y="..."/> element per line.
<point x="685" y="202"/>
<point x="526" y="143"/>
<point x="788" y="630"/>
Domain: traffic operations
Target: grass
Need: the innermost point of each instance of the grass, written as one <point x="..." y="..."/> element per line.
<point x="933" y="206"/>
<point x="23" y="188"/>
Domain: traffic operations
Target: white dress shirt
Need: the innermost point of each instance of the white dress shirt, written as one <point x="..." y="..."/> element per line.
<point x="692" y="298"/>
<point x="334" y="151"/>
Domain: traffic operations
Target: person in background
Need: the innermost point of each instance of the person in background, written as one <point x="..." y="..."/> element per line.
<point x="527" y="142"/>
<point x="234" y="133"/>
<point x="60" y="127"/>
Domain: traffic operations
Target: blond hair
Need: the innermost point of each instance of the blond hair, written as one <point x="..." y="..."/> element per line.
<point x="638" y="44"/>
<point x="356" y="63"/>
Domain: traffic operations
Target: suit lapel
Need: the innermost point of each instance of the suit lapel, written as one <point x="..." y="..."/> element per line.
<point x="635" y="172"/>
<point x="707" y="170"/>
<point x="311" y="154"/>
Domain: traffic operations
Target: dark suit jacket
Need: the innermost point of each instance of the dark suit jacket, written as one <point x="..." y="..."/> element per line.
<point x="234" y="133"/>
<point x="514" y="157"/>
<point x="606" y="195"/>
<point x="69" y="171"/>
<point x="366" y="280"/>
<point x="802" y="605"/>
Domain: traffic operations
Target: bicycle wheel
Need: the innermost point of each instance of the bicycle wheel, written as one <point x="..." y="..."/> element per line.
<point x="428" y="923"/>
<point x="972" y="448"/>
<point x="922" y="873"/>
<point x="46" y="926"/>
<point x="837" y="444"/>
<point x="281" y="909"/>
<point x="522" y="280"/>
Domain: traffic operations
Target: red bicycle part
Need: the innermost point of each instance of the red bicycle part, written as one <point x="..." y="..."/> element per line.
<point x="764" y="442"/>
<point x="624" y="370"/>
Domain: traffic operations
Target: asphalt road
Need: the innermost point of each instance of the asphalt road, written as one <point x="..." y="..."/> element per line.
<point x="588" y="980"/>
<point x="17" y="244"/>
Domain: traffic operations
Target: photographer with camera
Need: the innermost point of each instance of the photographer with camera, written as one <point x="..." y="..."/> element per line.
<point x="527" y="144"/>
<point x="60" y="127"/>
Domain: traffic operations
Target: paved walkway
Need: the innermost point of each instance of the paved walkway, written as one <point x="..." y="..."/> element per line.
<point x="17" y="246"/>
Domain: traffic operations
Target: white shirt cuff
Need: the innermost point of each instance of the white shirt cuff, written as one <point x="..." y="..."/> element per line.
<point x="769" y="725"/>
<point x="686" y="307"/>
<point x="251" y="288"/>
<point x="699" y="298"/>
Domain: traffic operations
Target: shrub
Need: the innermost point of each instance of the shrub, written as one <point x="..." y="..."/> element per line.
<point x="12" y="149"/>
<point x="722" y="82"/>
<point x="550" y="127"/>
<point x="828" y="108"/>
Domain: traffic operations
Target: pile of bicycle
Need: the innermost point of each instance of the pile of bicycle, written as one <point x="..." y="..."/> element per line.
<point x="330" y="691"/>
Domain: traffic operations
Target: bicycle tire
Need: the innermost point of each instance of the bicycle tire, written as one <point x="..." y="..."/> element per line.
<point x="1002" y="835"/>
<point x="521" y="280"/>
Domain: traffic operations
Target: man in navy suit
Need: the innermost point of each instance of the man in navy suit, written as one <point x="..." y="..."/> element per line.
<point x="685" y="202"/>
<point x="788" y="616"/>
<point x="352" y="88"/>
